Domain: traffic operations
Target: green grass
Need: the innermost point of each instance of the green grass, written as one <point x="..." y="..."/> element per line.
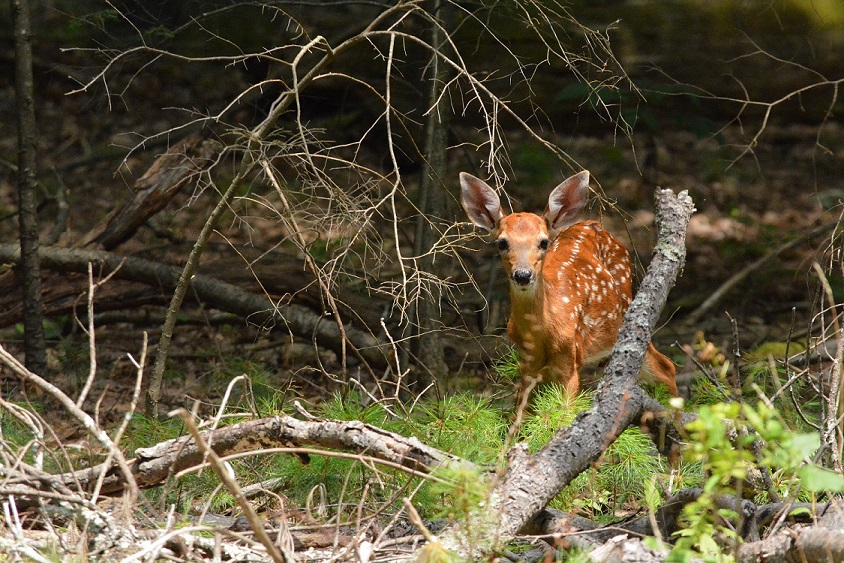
<point x="619" y="478"/>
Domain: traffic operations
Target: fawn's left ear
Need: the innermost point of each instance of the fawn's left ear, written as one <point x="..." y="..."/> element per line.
<point x="481" y="203"/>
<point x="566" y="201"/>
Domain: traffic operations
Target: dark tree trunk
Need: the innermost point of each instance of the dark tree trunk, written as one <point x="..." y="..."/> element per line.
<point x="29" y="271"/>
<point x="432" y="207"/>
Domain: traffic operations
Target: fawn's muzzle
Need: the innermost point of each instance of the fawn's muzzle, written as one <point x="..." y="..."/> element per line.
<point x="522" y="276"/>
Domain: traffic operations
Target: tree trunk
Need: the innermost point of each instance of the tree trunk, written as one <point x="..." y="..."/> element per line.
<point x="29" y="273"/>
<point x="432" y="207"/>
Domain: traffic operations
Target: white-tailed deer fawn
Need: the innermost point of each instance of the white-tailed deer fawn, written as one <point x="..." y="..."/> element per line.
<point x="569" y="282"/>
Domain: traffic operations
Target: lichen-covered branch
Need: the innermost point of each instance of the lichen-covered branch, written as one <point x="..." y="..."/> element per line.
<point x="152" y="466"/>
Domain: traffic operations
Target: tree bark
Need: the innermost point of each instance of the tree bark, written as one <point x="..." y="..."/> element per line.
<point x="30" y="274"/>
<point x="432" y="205"/>
<point x="155" y="464"/>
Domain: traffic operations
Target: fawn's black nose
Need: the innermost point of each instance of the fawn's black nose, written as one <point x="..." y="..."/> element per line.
<point x="522" y="276"/>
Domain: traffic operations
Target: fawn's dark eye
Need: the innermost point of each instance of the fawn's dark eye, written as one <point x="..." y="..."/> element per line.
<point x="502" y="244"/>
<point x="544" y="243"/>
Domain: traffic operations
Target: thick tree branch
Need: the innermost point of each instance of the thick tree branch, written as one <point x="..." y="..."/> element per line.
<point x="153" y="465"/>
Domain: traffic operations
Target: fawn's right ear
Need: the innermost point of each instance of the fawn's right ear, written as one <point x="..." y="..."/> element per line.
<point x="480" y="202"/>
<point x="566" y="201"/>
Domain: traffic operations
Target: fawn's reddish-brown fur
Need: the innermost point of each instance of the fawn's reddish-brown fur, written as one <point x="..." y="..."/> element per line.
<point x="570" y="282"/>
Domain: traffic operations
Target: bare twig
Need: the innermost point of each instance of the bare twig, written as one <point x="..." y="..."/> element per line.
<point x="225" y="474"/>
<point x="82" y="417"/>
<point x="833" y="433"/>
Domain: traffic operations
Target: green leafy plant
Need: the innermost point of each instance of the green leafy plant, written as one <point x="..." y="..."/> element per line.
<point x="702" y="518"/>
<point x="721" y="440"/>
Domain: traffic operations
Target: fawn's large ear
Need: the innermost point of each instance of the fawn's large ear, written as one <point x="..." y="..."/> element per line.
<point x="480" y="202"/>
<point x="566" y="201"/>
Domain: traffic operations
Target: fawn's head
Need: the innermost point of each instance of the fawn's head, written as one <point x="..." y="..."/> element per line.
<point x="523" y="239"/>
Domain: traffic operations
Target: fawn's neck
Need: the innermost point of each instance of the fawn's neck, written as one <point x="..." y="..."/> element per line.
<point x="527" y="306"/>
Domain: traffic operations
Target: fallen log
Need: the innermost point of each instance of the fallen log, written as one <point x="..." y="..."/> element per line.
<point x="256" y="309"/>
<point x="152" y="466"/>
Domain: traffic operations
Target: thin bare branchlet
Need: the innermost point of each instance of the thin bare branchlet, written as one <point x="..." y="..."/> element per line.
<point x="814" y="81"/>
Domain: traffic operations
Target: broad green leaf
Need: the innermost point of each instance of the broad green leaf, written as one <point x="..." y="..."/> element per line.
<point x="804" y="445"/>
<point x="818" y="479"/>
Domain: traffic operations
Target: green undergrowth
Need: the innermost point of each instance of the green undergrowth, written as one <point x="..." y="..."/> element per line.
<point x="618" y="480"/>
<point x="629" y="477"/>
<point x="466" y="425"/>
<point x="729" y="441"/>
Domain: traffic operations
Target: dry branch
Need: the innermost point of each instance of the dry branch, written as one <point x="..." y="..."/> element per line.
<point x="256" y="309"/>
<point x="84" y="419"/>
<point x="155" y="464"/>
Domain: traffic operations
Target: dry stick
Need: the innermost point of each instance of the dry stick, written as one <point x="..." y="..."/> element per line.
<point x="157" y="463"/>
<point x="231" y="484"/>
<point x="191" y="265"/>
<point x="833" y="432"/>
<point x="417" y="520"/>
<point x="83" y="417"/>
<point x="31" y="421"/>
<point x="160" y="542"/>
<point x="742" y="274"/>
<point x="92" y="341"/>
<point x="127" y="416"/>
<point x="367" y="461"/>
<point x="20" y="546"/>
